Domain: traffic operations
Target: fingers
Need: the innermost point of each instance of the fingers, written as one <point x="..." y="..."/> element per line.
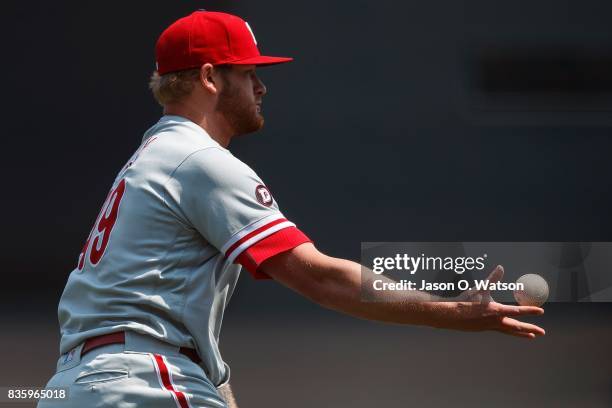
<point x="513" y="327"/>
<point x="516" y="327"/>
<point x="529" y="336"/>
<point x="509" y="310"/>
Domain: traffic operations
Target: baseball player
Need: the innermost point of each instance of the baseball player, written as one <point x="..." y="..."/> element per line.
<point x="141" y="312"/>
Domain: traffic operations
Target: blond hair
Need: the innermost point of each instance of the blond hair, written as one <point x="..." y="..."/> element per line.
<point x="173" y="86"/>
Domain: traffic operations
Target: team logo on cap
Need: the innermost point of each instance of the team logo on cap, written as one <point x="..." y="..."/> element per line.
<point x="263" y="195"/>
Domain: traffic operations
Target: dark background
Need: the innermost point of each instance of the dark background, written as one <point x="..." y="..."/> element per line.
<point x="397" y="121"/>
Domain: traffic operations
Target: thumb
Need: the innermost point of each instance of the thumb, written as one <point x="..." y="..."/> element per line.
<point x="496" y="275"/>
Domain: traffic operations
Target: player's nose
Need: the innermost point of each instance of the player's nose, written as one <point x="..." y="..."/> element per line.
<point x="260" y="88"/>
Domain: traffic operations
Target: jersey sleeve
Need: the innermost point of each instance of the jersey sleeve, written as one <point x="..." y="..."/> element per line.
<point x="232" y="209"/>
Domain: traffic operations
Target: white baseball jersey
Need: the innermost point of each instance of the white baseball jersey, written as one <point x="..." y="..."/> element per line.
<point x="182" y="218"/>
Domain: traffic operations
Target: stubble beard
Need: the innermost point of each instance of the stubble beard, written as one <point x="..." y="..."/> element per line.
<point x="240" y="114"/>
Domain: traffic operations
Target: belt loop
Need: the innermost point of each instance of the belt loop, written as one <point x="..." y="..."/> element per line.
<point x="143" y="342"/>
<point x="131" y="341"/>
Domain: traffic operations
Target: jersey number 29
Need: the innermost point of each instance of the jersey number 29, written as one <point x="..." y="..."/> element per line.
<point x="98" y="237"/>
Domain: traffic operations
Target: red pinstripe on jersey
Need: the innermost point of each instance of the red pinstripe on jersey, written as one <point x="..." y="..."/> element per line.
<point x="165" y="380"/>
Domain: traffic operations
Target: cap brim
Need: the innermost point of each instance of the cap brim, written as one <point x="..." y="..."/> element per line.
<point x="262" y="60"/>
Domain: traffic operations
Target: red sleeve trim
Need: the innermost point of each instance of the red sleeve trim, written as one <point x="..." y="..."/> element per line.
<point x="281" y="241"/>
<point x="251" y="235"/>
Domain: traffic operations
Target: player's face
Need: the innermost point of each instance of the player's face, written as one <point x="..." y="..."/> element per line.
<point x="240" y="99"/>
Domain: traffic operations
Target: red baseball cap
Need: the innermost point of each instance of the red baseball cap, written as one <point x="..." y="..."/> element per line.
<point x="209" y="37"/>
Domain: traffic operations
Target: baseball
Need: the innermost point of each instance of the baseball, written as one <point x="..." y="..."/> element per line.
<point x="535" y="292"/>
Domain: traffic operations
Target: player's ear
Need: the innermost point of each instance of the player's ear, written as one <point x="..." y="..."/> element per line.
<point x="209" y="79"/>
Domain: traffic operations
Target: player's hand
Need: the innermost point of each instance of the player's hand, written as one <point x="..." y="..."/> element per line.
<point x="475" y="310"/>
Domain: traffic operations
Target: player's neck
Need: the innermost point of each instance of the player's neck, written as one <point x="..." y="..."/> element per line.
<point x="216" y="127"/>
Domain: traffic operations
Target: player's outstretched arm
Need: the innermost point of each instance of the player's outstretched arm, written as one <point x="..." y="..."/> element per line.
<point x="337" y="284"/>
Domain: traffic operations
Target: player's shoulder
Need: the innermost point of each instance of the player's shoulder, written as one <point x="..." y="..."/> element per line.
<point x="187" y="146"/>
<point x="175" y="140"/>
<point x="216" y="160"/>
<point x="178" y="134"/>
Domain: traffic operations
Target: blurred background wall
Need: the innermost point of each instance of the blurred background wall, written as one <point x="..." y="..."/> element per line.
<point x="398" y="121"/>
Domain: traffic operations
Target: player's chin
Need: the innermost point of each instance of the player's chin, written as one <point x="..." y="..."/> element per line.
<point x="257" y="121"/>
<point x="260" y="121"/>
<point x="253" y="125"/>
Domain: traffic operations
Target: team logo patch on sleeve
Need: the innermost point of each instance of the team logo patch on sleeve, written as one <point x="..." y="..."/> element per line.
<point x="263" y="195"/>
